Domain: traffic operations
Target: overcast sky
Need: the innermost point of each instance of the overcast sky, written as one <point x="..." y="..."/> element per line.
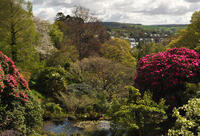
<point x="126" y="11"/>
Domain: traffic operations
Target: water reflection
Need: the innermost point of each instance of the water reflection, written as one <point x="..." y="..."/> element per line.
<point x="99" y="128"/>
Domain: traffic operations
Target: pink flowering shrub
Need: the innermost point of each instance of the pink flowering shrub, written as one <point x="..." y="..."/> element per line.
<point x="168" y="70"/>
<point x="11" y="82"/>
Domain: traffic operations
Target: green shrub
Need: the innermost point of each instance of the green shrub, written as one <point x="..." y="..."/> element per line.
<point x="51" y="81"/>
<point x="187" y="119"/>
<point x="83" y="101"/>
<point x="53" y="111"/>
<point x="140" y="115"/>
<point x="192" y="90"/>
<point x="75" y="103"/>
<point x="102" y="75"/>
<point x="25" y="119"/>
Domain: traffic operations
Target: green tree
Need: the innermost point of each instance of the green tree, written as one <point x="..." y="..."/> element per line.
<point x="64" y="57"/>
<point x="187" y="119"/>
<point x="56" y="35"/>
<point x="139" y="115"/>
<point x="17" y="32"/>
<point x="146" y="48"/>
<point x="25" y="119"/>
<point x="102" y="75"/>
<point x="189" y="37"/>
<point x="118" y="50"/>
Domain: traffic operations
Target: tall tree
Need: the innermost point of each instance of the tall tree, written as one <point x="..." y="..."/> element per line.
<point x="189" y="37"/>
<point x="85" y="32"/>
<point x="17" y="31"/>
<point x="84" y="13"/>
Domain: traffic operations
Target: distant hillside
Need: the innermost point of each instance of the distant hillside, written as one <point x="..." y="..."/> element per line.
<point x="119" y="25"/>
<point x="138" y="30"/>
<point x="128" y="25"/>
<point x="138" y="33"/>
<point x="167" y="27"/>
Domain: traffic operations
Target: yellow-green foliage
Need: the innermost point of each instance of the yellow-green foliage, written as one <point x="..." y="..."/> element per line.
<point x="190" y="36"/>
<point x="102" y="74"/>
<point x="18" y="36"/>
<point x="141" y="115"/>
<point x="187" y="119"/>
<point x="56" y="34"/>
<point x="53" y="111"/>
<point x="187" y="38"/>
<point x="63" y="57"/>
<point x="73" y="102"/>
<point x="146" y="48"/>
<point x="118" y="50"/>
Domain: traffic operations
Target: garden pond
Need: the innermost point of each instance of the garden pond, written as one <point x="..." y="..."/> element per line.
<point x="84" y="128"/>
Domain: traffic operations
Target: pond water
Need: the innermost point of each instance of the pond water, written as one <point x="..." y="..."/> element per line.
<point x="96" y="128"/>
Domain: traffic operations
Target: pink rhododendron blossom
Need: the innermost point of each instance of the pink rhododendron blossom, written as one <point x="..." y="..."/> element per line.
<point x="168" y="70"/>
<point x="11" y="82"/>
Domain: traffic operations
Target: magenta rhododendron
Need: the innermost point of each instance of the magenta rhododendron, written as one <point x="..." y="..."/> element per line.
<point x="168" y="70"/>
<point x="11" y="82"/>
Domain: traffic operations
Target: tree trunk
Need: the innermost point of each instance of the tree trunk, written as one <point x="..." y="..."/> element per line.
<point x="13" y="43"/>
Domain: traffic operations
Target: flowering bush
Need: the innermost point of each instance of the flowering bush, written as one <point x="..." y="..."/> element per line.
<point x="19" y="111"/>
<point x="11" y="82"/>
<point x="168" y="70"/>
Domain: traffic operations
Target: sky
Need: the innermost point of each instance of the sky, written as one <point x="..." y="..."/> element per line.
<point x="146" y="12"/>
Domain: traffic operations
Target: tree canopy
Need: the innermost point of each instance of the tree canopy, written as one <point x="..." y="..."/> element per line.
<point x="82" y="31"/>
<point x="17" y="32"/>
<point x="190" y="36"/>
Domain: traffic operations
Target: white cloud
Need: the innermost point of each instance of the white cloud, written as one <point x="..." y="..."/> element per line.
<point x="128" y="11"/>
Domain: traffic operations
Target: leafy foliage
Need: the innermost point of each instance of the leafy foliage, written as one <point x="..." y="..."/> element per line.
<point x="56" y="35"/>
<point x="83" y="102"/>
<point x="64" y="57"/>
<point x="73" y="102"/>
<point x="144" y="49"/>
<point x="17" y="34"/>
<point x="190" y="36"/>
<point x="102" y="75"/>
<point x="53" y="111"/>
<point x="118" y="50"/>
<point x="192" y="90"/>
<point x="140" y="115"/>
<point x="25" y="119"/>
<point x="51" y="81"/>
<point x="187" y="119"/>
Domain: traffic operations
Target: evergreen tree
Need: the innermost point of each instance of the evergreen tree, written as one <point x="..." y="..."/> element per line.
<point x="17" y="32"/>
